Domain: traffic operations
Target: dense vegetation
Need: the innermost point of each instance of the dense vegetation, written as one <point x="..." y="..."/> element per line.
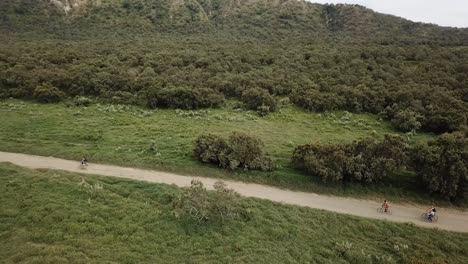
<point x="58" y="217"/>
<point x="366" y="161"/>
<point x="192" y="54"/>
<point x="415" y="87"/>
<point x="258" y="19"/>
<point x="442" y="165"/>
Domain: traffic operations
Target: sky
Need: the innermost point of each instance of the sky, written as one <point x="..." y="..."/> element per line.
<point x="452" y="13"/>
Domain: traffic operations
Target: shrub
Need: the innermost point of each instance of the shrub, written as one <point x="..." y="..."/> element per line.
<point x="196" y="203"/>
<point x="185" y="98"/>
<point x="407" y="120"/>
<point x="326" y="161"/>
<point x="259" y="100"/>
<point x="210" y="149"/>
<point x="82" y="101"/>
<point x="192" y="114"/>
<point x="122" y="97"/>
<point x="226" y="203"/>
<point x="442" y="165"/>
<point x="445" y="120"/>
<point x="284" y="102"/>
<point x="262" y="163"/>
<point x="314" y="100"/>
<point x="210" y="98"/>
<point x="4" y="93"/>
<point x="364" y="161"/>
<point x="46" y="93"/>
<point x="240" y="151"/>
<point x="432" y="113"/>
<point x="372" y="161"/>
<point x="93" y="190"/>
<point x="193" y="202"/>
<point x="245" y="152"/>
<point x="263" y="110"/>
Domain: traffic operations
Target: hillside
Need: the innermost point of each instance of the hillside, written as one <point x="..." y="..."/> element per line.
<point x="323" y="57"/>
<point x="262" y="19"/>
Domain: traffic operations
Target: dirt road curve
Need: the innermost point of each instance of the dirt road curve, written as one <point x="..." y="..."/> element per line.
<point x="449" y="219"/>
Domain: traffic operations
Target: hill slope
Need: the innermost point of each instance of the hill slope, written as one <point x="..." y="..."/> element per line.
<point x="254" y="18"/>
<point x="323" y="57"/>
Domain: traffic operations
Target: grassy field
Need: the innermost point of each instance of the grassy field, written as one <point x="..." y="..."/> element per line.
<point x="122" y="135"/>
<point x="47" y="217"/>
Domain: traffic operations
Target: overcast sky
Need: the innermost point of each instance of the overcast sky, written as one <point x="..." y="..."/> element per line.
<point x="453" y="13"/>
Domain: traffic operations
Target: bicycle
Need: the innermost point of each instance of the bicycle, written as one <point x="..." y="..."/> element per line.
<point x="425" y="217"/>
<point x="83" y="165"/>
<point x="382" y="210"/>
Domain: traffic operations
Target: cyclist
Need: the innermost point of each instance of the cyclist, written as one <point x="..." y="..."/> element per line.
<point x="385" y="206"/>
<point x="431" y="214"/>
<point x="84" y="162"/>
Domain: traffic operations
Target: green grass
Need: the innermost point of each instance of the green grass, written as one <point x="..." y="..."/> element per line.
<point x="46" y="217"/>
<point x="115" y="135"/>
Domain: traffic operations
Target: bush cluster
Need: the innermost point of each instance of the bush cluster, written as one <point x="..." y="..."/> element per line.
<point x="314" y="100"/>
<point x="121" y="97"/>
<point x="406" y="120"/>
<point x="240" y="151"/>
<point x="185" y="98"/>
<point x="188" y="73"/>
<point x="259" y="100"/>
<point x="365" y="161"/>
<point x="47" y="93"/>
<point x="442" y="165"/>
<point x="82" y="101"/>
<point x="433" y="110"/>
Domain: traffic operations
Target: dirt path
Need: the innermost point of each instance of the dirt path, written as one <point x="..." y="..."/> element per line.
<point x="449" y="219"/>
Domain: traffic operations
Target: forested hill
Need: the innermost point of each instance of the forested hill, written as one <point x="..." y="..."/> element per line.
<point x="261" y="19"/>
<point x="193" y="54"/>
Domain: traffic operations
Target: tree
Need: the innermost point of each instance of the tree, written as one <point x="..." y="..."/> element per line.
<point x="442" y="165"/>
